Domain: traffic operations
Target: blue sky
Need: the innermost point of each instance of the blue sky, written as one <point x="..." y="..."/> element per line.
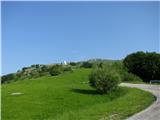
<point x="50" y="32"/>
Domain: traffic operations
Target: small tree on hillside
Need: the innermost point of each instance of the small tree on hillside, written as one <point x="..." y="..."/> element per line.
<point x="104" y="80"/>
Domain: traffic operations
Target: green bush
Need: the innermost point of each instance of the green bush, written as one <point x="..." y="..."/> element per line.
<point x="65" y="69"/>
<point x="44" y="68"/>
<point x="24" y="68"/>
<point x="8" y="78"/>
<point x="56" y="70"/>
<point x="34" y="74"/>
<point x="129" y="77"/>
<point x="73" y="63"/>
<point x="87" y="65"/>
<point x="104" y="80"/>
<point x="145" y="65"/>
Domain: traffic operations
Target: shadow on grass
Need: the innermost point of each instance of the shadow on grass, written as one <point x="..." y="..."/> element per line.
<point x="119" y="92"/>
<point x="85" y="91"/>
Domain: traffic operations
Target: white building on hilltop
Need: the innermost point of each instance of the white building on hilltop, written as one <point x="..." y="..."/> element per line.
<point x="64" y="62"/>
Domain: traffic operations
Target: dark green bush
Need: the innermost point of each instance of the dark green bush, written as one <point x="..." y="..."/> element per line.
<point x="65" y="69"/>
<point x="87" y="65"/>
<point x="104" y="80"/>
<point x="8" y="78"/>
<point x="44" y="68"/>
<point x="73" y="63"/>
<point x="56" y="70"/>
<point x="34" y="74"/>
<point x="24" y="68"/>
<point x="145" y="65"/>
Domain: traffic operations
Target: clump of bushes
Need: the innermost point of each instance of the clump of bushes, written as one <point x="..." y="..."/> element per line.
<point x="56" y="70"/>
<point x="129" y="77"/>
<point x="35" y="71"/>
<point x="145" y="65"/>
<point x="73" y="63"/>
<point x="104" y="80"/>
<point x="125" y="76"/>
<point x="106" y="77"/>
<point x="8" y="78"/>
<point x="87" y="64"/>
<point x="68" y="68"/>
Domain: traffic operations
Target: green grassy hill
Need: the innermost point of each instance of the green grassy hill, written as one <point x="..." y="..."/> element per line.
<point x="68" y="97"/>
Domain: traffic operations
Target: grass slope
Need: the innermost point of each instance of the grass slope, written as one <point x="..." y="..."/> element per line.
<point x="68" y="97"/>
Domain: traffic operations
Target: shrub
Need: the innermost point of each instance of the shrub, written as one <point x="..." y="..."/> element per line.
<point x="44" y="68"/>
<point x="145" y="65"/>
<point x="8" y="78"/>
<point x="72" y="63"/>
<point x="33" y="74"/>
<point x="86" y="65"/>
<point x="65" y="69"/>
<point x="24" y="68"/>
<point x="56" y="70"/>
<point x="33" y="66"/>
<point x="129" y="77"/>
<point x="104" y="80"/>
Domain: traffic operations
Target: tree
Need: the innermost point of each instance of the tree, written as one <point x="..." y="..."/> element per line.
<point x="145" y="65"/>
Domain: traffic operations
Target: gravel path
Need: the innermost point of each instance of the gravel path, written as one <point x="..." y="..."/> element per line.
<point x="153" y="111"/>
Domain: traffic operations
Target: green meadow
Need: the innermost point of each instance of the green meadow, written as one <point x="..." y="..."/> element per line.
<point x="68" y="96"/>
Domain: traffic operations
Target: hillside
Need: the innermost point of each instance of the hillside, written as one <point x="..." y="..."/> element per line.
<point x="39" y="70"/>
<point x="68" y="97"/>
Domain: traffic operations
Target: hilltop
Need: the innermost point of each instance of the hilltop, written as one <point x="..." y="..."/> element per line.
<point x="39" y="70"/>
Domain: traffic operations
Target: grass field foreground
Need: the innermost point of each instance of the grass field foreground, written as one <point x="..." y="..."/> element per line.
<point x="69" y="97"/>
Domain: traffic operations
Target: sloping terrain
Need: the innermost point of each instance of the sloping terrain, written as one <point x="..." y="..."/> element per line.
<point x="69" y="97"/>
